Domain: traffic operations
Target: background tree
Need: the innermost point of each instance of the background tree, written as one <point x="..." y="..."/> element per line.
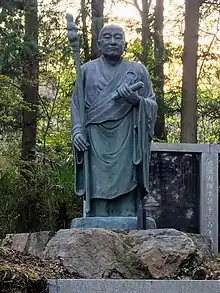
<point x="208" y="73"/>
<point x="36" y="190"/>
<point x="97" y="7"/>
<point x="145" y="25"/>
<point x="160" y="132"/>
<point x="189" y="81"/>
<point x="85" y="43"/>
<point x="30" y="57"/>
<point x="143" y="9"/>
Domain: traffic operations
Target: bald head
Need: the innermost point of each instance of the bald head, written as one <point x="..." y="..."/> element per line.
<point x="111" y="27"/>
<point x="111" y="41"/>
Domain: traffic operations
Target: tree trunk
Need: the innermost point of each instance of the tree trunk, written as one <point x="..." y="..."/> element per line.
<point x="28" y="219"/>
<point x="189" y="80"/>
<point x="145" y="29"/>
<point x="85" y="31"/>
<point x="30" y="83"/>
<point x="159" y="71"/>
<point x="97" y="24"/>
<point x="145" y="26"/>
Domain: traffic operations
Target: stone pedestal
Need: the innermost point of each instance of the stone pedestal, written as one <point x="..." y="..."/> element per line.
<point x="131" y="286"/>
<point x="126" y="223"/>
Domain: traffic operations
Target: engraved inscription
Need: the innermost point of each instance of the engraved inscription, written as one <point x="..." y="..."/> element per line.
<point x="209" y="193"/>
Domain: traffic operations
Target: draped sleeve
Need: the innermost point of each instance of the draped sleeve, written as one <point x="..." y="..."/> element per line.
<point x="148" y="102"/>
<point x="144" y="121"/>
<point x="75" y="104"/>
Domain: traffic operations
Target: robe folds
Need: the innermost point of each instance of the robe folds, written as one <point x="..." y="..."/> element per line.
<point x="118" y="133"/>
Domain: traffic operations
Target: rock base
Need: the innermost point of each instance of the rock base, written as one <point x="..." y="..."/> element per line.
<point x="126" y="223"/>
<point x="120" y="254"/>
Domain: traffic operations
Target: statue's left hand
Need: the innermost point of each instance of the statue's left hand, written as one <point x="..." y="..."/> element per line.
<point x="128" y="95"/>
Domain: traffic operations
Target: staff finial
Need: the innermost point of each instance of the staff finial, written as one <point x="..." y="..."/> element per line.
<point x="72" y="32"/>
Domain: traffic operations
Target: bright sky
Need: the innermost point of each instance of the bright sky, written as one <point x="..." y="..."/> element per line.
<point x="120" y="10"/>
<point x="129" y="11"/>
<point x="171" y="32"/>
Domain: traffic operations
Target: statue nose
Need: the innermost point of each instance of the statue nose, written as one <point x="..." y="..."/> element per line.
<point x="112" y="40"/>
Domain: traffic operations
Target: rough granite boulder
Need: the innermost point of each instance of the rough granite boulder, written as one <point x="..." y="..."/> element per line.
<point x="157" y="254"/>
<point x="32" y="243"/>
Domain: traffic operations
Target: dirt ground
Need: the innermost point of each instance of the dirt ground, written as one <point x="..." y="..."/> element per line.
<point x="21" y="273"/>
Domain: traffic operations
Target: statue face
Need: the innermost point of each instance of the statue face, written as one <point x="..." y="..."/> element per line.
<point x="111" y="41"/>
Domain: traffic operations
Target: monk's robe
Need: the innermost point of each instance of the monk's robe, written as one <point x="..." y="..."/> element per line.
<point x="118" y="133"/>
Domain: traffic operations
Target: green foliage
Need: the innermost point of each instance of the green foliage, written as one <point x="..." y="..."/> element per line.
<point x="8" y="200"/>
<point x="50" y="179"/>
<point x="10" y="105"/>
<point x="11" y="32"/>
<point x="52" y="182"/>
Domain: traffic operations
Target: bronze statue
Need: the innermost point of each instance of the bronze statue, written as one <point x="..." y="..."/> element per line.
<point x="113" y="111"/>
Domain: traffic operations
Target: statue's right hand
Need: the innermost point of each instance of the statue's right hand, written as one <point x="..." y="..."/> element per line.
<point x="80" y="142"/>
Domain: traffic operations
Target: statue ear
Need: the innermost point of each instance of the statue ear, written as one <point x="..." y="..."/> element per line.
<point x="98" y="45"/>
<point x="126" y="44"/>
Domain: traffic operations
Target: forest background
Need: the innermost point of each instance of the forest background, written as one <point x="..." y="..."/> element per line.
<point x="178" y="41"/>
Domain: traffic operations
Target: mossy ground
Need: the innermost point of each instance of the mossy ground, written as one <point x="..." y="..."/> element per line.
<point x="20" y="273"/>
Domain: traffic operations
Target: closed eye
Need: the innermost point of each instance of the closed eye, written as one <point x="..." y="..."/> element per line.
<point x="119" y="37"/>
<point x="106" y="36"/>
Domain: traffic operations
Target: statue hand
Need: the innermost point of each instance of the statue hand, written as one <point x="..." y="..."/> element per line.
<point x="80" y="142"/>
<point x="128" y="95"/>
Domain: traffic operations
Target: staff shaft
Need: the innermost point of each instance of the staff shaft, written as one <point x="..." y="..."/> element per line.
<point x="73" y="38"/>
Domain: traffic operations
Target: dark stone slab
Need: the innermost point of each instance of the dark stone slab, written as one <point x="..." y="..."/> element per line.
<point x="175" y="190"/>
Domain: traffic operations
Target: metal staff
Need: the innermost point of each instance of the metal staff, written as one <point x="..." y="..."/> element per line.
<point x="74" y="43"/>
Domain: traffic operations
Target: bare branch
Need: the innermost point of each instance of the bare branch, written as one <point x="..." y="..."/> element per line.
<point x="210" y="45"/>
<point x="134" y="3"/>
<point x="137" y="6"/>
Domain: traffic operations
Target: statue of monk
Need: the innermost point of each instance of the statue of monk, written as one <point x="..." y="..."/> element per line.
<point x="119" y="129"/>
